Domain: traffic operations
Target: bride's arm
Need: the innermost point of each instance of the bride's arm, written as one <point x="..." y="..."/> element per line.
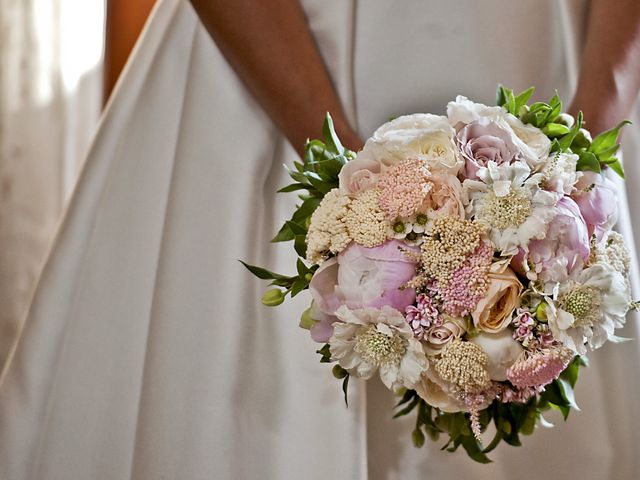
<point x="610" y="76"/>
<point x="269" y="45"/>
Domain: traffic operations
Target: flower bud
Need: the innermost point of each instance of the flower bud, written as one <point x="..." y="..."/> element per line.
<point x="565" y="119"/>
<point x="418" y="438"/>
<point x="339" y="372"/>
<point x="273" y="297"/>
<point x="541" y="312"/>
<point x="583" y="139"/>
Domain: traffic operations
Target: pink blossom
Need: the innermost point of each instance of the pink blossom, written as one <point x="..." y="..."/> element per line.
<point x="484" y="141"/>
<point x="361" y="277"/>
<point x="565" y="245"/>
<point x="596" y="197"/>
<point x="422" y="315"/>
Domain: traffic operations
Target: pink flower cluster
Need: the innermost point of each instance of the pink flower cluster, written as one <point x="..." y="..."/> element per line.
<point x="532" y="333"/>
<point x="403" y="188"/>
<point x="423" y="315"/>
<point x="468" y="283"/>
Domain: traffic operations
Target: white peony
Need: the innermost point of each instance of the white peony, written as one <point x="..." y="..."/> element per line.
<point x="511" y="204"/>
<point x="420" y="136"/>
<point x="585" y="310"/>
<point x="502" y="351"/>
<point x="379" y="340"/>
<point x="534" y="145"/>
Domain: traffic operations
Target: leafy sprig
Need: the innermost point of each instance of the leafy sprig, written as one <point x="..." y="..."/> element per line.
<point x="511" y="420"/>
<point x="314" y="176"/>
<point x="565" y="132"/>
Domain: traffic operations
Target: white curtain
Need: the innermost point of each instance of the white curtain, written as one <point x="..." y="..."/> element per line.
<point x="50" y="100"/>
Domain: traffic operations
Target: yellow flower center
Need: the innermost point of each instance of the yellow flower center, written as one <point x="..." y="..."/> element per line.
<point x="583" y="303"/>
<point x="378" y="348"/>
<point x="510" y="210"/>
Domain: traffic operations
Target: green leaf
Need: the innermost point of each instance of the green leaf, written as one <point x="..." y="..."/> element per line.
<point x="495" y="442"/>
<point x="529" y="424"/>
<point x="408" y="408"/>
<point x="295" y="228"/>
<point x="408" y="395"/>
<point x="617" y="167"/>
<point x="554" y="130"/>
<point x="523" y="97"/>
<point x="304" y="211"/>
<point x="293" y="187"/>
<point x="588" y="161"/>
<point x="301" y="268"/>
<point x="501" y="97"/>
<point x="263" y="273"/>
<point x="330" y="136"/>
<point x="567" y="141"/>
<point x="567" y="393"/>
<point x="299" y="285"/>
<point x="345" y="385"/>
<point x="608" y="138"/>
<point x="570" y="374"/>
<point x="325" y="351"/>
<point x="300" y="245"/>
<point x="299" y="177"/>
<point x="474" y="450"/>
<point x="284" y="234"/>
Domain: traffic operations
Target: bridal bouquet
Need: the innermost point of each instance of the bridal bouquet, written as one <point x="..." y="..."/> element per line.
<point x="468" y="260"/>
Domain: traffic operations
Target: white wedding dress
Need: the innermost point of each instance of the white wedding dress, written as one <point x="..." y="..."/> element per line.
<point x="147" y="355"/>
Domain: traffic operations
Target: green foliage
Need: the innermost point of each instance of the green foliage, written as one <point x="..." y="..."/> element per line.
<point x="511" y="420"/>
<point x="314" y="176"/>
<point x="566" y="137"/>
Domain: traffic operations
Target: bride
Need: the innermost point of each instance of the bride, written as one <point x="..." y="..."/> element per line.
<point x="145" y="354"/>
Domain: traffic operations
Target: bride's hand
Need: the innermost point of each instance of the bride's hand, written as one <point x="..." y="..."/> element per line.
<point x="610" y="74"/>
<point x="269" y="45"/>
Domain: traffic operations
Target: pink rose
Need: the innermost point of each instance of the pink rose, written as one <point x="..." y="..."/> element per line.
<point x="445" y="195"/>
<point x="565" y="245"/>
<point x="359" y="174"/>
<point x="484" y="141"/>
<point x="361" y="277"/>
<point x="439" y="335"/>
<point x="596" y="197"/>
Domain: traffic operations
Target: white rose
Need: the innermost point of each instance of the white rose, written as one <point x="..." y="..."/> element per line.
<point x="502" y="351"/>
<point x="420" y="136"/>
<point x="534" y="145"/>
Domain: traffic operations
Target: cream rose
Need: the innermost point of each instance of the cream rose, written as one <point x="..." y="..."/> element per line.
<point x="445" y="196"/>
<point x="438" y="336"/>
<point x="433" y="391"/>
<point x="493" y="312"/>
<point x="420" y="136"/>
<point x="359" y="174"/>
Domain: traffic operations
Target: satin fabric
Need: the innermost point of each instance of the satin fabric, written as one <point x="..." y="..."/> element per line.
<point x="147" y="355"/>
